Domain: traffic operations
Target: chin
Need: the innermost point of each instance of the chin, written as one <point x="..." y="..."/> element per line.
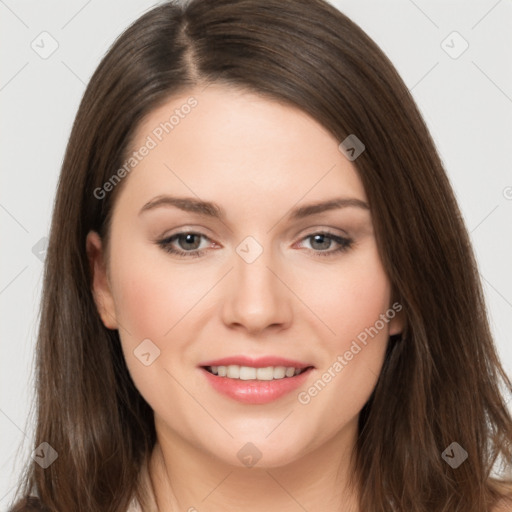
<point x="260" y="451"/>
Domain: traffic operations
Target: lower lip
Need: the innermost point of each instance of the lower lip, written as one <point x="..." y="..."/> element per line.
<point x="256" y="391"/>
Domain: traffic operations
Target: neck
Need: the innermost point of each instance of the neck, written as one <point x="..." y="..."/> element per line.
<point x="186" y="478"/>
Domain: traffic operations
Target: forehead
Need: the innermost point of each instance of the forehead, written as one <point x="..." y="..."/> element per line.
<point x="231" y="145"/>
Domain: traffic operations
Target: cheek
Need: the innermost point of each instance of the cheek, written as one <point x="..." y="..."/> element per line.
<point x="351" y="303"/>
<point x="351" y="298"/>
<point x="153" y="302"/>
<point x="150" y="295"/>
<point x="355" y="354"/>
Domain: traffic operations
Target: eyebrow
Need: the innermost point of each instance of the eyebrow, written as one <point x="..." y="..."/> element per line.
<point x="210" y="209"/>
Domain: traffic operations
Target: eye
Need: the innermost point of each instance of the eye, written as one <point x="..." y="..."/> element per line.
<point x="188" y="241"/>
<point x="189" y="244"/>
<point x="322" y="241"/>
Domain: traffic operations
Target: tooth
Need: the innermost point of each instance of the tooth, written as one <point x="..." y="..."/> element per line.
<point x="265" y="373"/>
<point x="290" y="371"/>
<point x="247" y="373"/>
<point x="279" y="372"/>
<point x="233" y="371"/>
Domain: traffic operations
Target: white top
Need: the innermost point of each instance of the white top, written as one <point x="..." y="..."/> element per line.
<point x="134" y="506"/>
<point x="146" y="483"/>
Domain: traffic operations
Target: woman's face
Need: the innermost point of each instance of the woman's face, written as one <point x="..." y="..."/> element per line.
<point x="253" y="282"/>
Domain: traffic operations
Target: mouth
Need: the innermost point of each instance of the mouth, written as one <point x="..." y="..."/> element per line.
<point x="256" y="384"/>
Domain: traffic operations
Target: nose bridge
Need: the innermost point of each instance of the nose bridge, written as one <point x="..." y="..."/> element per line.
<point x="257" y="298"/>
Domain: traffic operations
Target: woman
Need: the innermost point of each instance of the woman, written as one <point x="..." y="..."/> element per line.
<point x="259" y="291"/>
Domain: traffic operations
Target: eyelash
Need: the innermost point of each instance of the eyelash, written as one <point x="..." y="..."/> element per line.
<point x="344" y="244"/>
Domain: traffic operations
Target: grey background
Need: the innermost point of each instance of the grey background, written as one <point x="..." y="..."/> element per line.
<point x="466" y="102"/>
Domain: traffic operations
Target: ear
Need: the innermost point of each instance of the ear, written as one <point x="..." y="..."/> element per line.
<point x="397" y="323"/>
<point x="100" y="285"/>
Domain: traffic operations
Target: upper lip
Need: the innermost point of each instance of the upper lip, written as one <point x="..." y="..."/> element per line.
<point x="259" y="362"/>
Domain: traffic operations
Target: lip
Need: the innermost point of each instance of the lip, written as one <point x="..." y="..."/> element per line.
<point x="254" y="391"/>
<point x="260" y="362"/>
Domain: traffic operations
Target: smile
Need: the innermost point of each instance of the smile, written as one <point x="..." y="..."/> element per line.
<point x="255" y="386"/>
<point x="235" y="371"/>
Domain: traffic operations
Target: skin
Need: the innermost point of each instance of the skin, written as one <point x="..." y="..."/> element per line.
<point x="257" y="159"/>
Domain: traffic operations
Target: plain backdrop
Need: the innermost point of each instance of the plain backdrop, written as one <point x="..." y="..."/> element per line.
<point x="464" y="96"/>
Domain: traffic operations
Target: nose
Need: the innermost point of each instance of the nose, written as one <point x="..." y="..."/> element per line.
<point x="256" y="298"/>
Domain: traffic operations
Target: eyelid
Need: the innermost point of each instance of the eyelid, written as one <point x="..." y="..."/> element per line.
<point x="322" y="229"/>
<point x="186" y="228"/>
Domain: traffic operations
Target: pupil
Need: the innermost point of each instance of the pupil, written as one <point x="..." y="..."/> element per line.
<point x="188" y="240"/>
<point x="324" y="242"/>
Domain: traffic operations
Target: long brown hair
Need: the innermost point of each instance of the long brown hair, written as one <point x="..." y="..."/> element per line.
<point x="441" y="378"/>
